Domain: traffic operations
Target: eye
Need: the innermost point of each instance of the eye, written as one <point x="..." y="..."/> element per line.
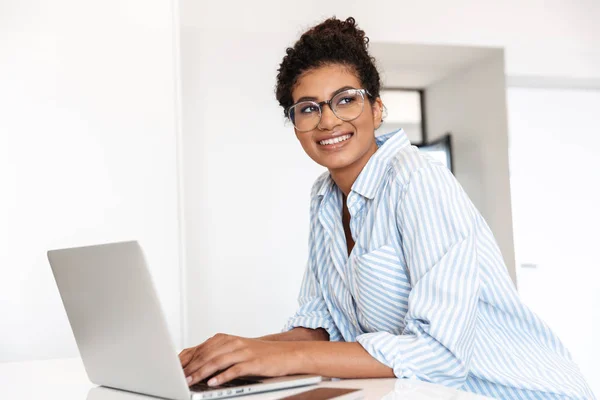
<point x="346" y="100"/>
<point x="310" y="108"/>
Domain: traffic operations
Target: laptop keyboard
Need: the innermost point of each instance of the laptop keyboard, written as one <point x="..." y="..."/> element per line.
<point x="203" y="386"/>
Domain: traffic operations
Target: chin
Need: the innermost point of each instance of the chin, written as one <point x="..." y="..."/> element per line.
<point x="337" y="161"/>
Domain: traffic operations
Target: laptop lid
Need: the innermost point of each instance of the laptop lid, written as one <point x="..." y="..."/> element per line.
<point x="117" y="319"/>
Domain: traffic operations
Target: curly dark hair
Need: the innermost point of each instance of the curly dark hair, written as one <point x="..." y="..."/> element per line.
<point x="331" y="42"/>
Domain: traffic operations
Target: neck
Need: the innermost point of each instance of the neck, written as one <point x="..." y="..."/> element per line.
<point x="345" y="177"/>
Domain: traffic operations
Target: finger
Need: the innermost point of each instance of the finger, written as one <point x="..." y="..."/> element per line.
<point x="217" y="364"/>
<point x="200" y="358"/>
<point x="241" y="369"/>
<point x="186" y="356"/>
<point x="214" y="347"/>
<point x="189" y="354"/>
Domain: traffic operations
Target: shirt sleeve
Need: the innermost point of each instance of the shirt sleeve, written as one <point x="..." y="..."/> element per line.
<point x="313" y="312"/>
<point x="436" y="221"/>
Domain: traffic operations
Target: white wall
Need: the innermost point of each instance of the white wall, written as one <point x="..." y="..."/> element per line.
<point x="471" y="104"/>
<point x="247" y="184"/>
<point x="87" y="153"/>
<point x="403" y="109"/>
<point x="554" y="151"/>
<point x="246" y="179"/>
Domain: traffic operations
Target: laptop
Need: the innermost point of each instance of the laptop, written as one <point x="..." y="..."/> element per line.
<point x="121" y="331"/>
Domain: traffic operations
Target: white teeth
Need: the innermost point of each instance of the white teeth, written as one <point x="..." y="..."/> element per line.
<point x="335" y="140"/>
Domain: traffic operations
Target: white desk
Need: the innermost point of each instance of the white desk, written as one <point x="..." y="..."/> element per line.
<point x="66" y="380"/>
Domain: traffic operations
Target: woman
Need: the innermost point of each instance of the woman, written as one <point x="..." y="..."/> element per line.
<point x="404" y="276"/>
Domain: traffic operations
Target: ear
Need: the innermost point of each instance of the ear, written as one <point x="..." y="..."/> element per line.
<point x="377" y="107"/>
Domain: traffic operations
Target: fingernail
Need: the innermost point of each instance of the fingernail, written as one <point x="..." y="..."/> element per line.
<point x="189" y="379"/>
<point x="212" y="382"/>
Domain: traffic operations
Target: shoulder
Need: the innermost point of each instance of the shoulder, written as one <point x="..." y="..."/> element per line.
<point x="409" y="163"/>
<point x="421" y="177"/>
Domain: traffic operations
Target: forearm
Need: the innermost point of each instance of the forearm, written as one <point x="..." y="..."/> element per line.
<point x="339" y="360"/>
<point x="298" y="334"/>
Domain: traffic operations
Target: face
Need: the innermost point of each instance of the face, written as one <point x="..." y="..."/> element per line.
<point x="355" y="140"/>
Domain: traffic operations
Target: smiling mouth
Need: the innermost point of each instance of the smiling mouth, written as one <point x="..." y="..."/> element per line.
<point x="335" y="140"/>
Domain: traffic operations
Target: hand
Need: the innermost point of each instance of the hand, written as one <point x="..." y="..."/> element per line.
<point x="237" y="356"/>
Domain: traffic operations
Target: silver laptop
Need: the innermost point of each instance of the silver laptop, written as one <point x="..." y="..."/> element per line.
<point x="121" y="331"/>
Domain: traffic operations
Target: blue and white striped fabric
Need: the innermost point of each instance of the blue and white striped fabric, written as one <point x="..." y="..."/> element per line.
<point x="425" y="290"/>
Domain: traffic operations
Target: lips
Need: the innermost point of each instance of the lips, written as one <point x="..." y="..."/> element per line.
<point x="335" y="139"/>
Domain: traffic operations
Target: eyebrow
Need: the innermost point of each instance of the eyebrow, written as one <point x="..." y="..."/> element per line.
<point x="309" y="98"/>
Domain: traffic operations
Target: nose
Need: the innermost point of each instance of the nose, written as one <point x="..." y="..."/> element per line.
<point x="328" y="119"/>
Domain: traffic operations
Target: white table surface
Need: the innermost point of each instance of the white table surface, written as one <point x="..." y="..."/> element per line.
<point x="65" y="379"/>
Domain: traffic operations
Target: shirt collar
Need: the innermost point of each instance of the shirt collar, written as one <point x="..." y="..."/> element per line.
<point x="370" y="177"/>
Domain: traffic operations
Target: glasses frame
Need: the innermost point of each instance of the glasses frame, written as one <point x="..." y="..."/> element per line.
<point x="364" y="93"/>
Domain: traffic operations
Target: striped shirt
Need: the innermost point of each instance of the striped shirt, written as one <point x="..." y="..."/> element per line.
<point x="425" y="289"/>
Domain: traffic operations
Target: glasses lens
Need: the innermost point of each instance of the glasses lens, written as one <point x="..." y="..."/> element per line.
<point x="348" y="105"/>
<point x="305" y="115"/>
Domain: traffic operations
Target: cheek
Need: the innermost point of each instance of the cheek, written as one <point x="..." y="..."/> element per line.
<point x="364" y="125"/>
<point x="305" y="140"/>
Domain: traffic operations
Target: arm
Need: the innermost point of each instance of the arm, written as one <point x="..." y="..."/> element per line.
<point x="298" y="334"/>
<point x="311" y="323"/>
<point x="312" y="320"/>
<point x="340" y="360"/>
<point x="237" y="356"/>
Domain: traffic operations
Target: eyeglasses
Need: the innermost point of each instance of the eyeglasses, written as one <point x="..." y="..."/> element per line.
<point x="346" y="105"/>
